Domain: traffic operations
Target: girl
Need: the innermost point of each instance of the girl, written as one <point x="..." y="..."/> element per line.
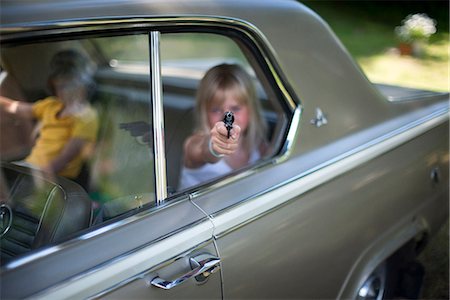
<point x="68" y="122"/>
<point x="209" y="153"/>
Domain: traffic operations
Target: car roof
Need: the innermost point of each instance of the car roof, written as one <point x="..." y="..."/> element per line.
<point x="27" y="12"/>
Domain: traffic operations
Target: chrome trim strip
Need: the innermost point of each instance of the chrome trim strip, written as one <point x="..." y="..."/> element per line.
<point x="429" y="96"/>
<point x="243" y="213"/>
<point x="158" y="118"/>
<point x="292" y="135"/>
<point x="119" y="271"/>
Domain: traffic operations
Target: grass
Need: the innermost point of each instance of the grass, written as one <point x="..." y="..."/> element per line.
<point x="428" y="72"/>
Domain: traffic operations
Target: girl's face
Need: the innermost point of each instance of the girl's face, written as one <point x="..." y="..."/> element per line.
<point x="68" y="90"/>
<point x="227" y="100"/>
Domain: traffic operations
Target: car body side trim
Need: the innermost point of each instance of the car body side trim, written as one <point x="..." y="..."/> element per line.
<point x="120" y="270"/>
<point x="233" y="218"/>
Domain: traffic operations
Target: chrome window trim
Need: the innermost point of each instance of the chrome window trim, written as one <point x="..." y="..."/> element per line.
<point x="245" y="212"/>
<point x="158" y="118"/>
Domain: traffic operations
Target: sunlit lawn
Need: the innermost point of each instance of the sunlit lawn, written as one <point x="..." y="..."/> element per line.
<point x="373" y="46"/>
<point x="431" y="71"/>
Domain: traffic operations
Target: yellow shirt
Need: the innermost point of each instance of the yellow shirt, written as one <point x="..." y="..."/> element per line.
<point x="56" y="131"/>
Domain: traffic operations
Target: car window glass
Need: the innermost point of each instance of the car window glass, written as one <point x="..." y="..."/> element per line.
<point x="185" y="58"/>
<point x="113" y="173"/>
<point x="123" y="98"/>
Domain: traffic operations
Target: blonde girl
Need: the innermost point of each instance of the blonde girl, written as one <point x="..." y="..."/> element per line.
<point x="209" y="152"/>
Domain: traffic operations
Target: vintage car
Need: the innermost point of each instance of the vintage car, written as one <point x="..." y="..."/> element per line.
<point x="355" y="185"/>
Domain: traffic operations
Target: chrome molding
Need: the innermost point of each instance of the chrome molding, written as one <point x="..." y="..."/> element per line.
<point x="158" y="118"/>
<point x="243" y="213"/>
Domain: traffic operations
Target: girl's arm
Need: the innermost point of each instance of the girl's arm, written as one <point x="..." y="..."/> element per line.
<point x="22" y="109"/>
<point x="199" y="148"/>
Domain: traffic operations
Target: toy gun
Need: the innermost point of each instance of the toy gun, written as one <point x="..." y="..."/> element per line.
<point x="228" y="121"/>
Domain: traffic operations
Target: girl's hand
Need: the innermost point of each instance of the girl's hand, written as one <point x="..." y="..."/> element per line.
<point x="220" y="143"/>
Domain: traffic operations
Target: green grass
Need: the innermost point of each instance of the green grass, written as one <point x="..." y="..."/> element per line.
<point x="431" y="71"/>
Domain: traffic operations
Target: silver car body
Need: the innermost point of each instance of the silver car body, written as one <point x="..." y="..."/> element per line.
<point x="313" y="221"/>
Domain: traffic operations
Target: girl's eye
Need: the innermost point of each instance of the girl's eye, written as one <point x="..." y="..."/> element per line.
<point x="235" y="108"/>
<point x="216" y="110"/>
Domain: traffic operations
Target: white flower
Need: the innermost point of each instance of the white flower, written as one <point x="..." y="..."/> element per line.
<point x="416" y="27"/>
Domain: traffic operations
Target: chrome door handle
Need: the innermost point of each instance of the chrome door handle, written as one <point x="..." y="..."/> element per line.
<point x="204" y="267"/>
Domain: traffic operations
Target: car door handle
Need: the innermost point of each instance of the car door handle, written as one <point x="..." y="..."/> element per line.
<point x="204" y="267"/>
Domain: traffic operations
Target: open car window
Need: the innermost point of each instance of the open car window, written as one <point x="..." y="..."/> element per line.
<point x="185" y="59"/>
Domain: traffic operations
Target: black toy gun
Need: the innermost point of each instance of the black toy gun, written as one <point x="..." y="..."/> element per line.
<point x="228" y="121"/>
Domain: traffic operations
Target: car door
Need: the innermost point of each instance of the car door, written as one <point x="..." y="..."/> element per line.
<point x="136" y="244"/>
<point x="236" y="201"/>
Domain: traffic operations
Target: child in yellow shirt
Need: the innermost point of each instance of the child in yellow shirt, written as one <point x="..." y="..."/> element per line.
<point x="68" y="122"/>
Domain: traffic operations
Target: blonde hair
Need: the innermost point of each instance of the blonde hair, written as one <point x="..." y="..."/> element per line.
<point x="227" y="77"/>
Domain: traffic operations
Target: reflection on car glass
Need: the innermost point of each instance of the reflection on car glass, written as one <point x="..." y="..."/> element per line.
<point x="140" y="130"/>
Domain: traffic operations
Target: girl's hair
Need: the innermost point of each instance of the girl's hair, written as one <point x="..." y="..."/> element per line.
<point x="226" y="77"/>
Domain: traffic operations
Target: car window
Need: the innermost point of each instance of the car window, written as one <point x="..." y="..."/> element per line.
<point x="185" y="59"/>
<point x="88" y="91"/>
